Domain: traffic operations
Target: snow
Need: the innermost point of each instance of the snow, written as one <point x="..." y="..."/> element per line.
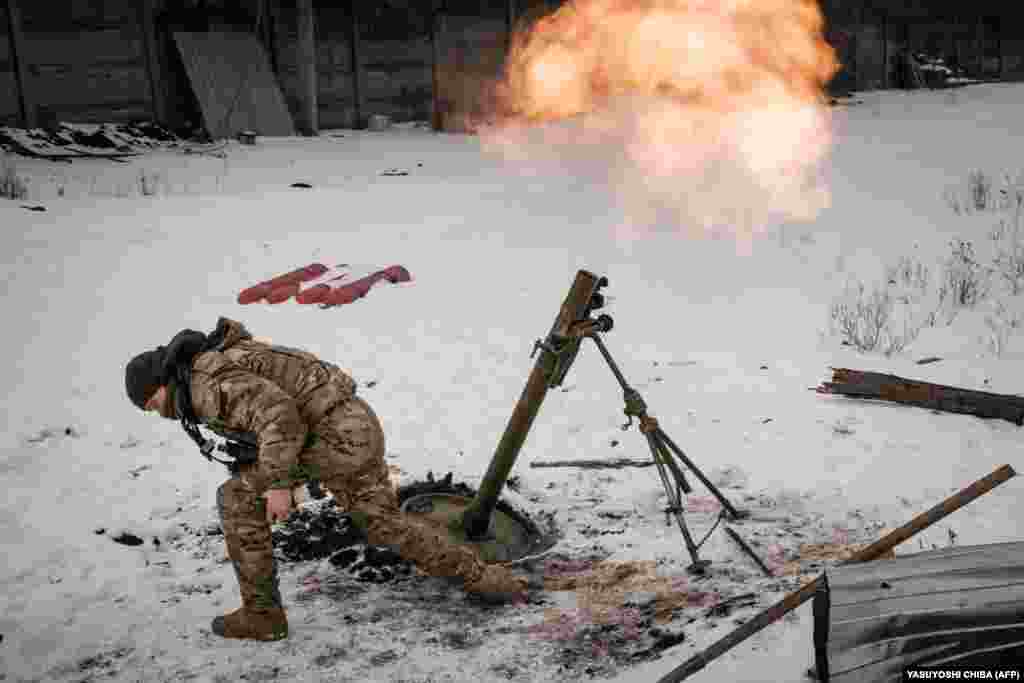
<point x="722" y="342"/>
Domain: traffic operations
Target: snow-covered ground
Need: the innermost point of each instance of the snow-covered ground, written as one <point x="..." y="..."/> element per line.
<point x="722" y="342"/>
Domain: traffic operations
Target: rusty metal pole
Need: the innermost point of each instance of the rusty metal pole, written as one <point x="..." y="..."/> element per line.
<point x="873" y="551"/>
<point x="556" y="354"/>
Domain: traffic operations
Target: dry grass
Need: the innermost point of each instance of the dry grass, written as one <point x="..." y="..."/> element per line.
<point x="12" y="186"/>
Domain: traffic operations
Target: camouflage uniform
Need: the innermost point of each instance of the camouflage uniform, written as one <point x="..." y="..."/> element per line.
<point x="309" y="424"/>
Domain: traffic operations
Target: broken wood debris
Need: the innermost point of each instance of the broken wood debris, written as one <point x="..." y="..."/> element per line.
<point x="617" y="463"/>
<point x="883" y="387"/>
<point x="809" y="589"/>
<point x="725" y="607"/>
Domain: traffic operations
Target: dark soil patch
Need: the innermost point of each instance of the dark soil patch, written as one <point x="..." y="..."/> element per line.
<point x="320" y="531"/>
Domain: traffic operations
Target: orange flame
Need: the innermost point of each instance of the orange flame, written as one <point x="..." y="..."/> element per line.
<point x="713" y="108"/>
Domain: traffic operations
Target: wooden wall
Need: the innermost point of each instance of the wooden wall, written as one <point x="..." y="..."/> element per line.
<point x="84" y="61"/>
<point x="87" y="60"/>
<point x="394" y="53"/>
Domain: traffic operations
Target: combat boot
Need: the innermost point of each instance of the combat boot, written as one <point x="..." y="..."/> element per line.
<point x="497" y="584"/>
<point x="265" y="624"/>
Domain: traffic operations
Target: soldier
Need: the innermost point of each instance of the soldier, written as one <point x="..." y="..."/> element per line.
<point x="305" y="419"/>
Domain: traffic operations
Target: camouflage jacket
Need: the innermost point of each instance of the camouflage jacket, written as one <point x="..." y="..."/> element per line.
<point x="266" y="395"/>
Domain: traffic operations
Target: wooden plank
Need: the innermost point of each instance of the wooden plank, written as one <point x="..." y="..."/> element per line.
<point x="232" y="81"/>
<point x="355" y="47"/>
<point x="911" y="616"/>
<point x="26" y="102"/>
<point x="885" y="387"/>
<point x="885" y="51"/>
<point x="9" y="111"/>
<point x="88" y="47"/>
<point x="110" y="110"/>
<point x="386" y="51"/>
<point x="90" y="86"/>
<point x="306" y="123"/>
<point x="6" y="63"/>
<point x="948" y="559"/>
<point x="155" y="72"/>
<point x="937" y="588"/>
<point x="266" y="17"/>
<point x="880" y="662"/>
<point x="333" y="56"/>
<point x="438" y="106"/>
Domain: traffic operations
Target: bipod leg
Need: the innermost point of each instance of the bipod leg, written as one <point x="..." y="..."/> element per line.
<point x="678" y="452"/>
<point x="675" y="503"/>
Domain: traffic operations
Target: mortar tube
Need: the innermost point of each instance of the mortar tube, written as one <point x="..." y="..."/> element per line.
<point x="477" y="517"/>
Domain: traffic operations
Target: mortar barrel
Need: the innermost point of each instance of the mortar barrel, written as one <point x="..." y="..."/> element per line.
<point x="477" y="517"/>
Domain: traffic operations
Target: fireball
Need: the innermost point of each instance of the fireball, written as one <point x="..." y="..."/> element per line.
<point x="713" y="107"/>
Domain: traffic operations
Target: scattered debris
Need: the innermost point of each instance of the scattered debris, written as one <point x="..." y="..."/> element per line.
<point x="730" y="477"/>
<point x="330" y="657"/>
<point x="126" y="538"/>
<point x="394" y="172"/>
<point x="382" y="658"/>
<point x="726" y="606"/>
<point x="66" y="142"/>
<point x="840" y="429"/>
<point x="663" y="640"/>
<point x="139" y="470"/>
<point x="617" y="463"/>
<point x="103" y="660"/>
<point x="48" y="433"/>
<point x="33" y="208"/>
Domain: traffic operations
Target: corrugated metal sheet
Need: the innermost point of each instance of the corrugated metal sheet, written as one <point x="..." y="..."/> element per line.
<point x="232" y="80"/>
<point x="962" y="605"/>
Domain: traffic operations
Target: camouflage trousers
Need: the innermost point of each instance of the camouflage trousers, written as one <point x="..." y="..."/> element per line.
<point x="345" y="452"/>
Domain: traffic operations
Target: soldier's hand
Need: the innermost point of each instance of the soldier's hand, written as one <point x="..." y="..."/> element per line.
<point x="279" y="504"/>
